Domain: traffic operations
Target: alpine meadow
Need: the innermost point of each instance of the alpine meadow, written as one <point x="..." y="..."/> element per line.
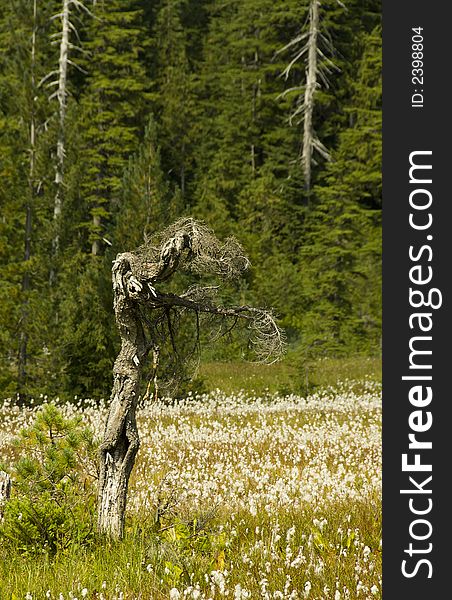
<point x="190" y="299"/>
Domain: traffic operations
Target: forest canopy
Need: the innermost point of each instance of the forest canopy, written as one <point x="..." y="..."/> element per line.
<point x="119" y="117"/>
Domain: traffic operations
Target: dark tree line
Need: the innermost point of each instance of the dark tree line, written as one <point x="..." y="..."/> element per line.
<point x="119" y="116"/>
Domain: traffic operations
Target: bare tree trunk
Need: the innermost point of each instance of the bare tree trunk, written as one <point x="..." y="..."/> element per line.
<point x="5" y="491"/>
<point x="311" y="85"/>
<point x="317" y="71"/>
<point x="121" y="441"/>
<point x="62" y="96"/>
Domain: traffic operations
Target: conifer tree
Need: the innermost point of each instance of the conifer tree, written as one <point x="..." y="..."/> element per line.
<point x="341" y="256"/>
<point x="24" y="112"/>
<point x="113" y="101"/>
<point x="113" y="97"/>
<point x="242" y="125"/>
<point x="147" y="199"/>
<point x="68" y="37"/>
<point x="175" y="97"/>
<point x="219" y="147"/>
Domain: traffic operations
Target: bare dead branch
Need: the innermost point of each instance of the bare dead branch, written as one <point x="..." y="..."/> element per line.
<point x="306" y="49"/>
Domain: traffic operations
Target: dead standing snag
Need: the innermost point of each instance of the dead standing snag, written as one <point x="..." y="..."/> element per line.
<point x="147" y="319"/>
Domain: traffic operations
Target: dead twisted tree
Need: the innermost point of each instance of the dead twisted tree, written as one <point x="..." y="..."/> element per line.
<point x="148" y="319"/>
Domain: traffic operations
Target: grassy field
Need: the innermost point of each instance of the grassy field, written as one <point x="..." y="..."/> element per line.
<point x="234" y="495"/>
<point x="292" y="375"/>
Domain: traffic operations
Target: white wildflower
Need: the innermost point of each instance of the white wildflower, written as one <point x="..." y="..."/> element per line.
<point x="241" y="593"/>
<point x="218" y="579"/>
<point x="360" y="587"/>
<point x="290" y="533"/>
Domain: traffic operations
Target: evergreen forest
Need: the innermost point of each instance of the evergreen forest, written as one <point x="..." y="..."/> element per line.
<point x="261" y="118"/>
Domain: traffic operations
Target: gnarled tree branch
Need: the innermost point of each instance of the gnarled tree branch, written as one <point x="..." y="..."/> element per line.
<point x="149" y="319"/>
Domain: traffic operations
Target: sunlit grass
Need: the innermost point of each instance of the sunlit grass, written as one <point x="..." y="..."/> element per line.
<point x="293" y="375"/>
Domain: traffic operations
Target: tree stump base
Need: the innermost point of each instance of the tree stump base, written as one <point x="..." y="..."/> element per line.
<point x="5" y="491"/>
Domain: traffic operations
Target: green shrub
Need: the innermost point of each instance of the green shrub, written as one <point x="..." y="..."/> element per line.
<point x="52" y="501"/>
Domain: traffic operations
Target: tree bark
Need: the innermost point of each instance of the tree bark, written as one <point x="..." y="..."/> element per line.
<point x="311" y="85"/>
<point x="62" y="97"/>
<point x="5" y="491"/>
<point x="121" y="441"/>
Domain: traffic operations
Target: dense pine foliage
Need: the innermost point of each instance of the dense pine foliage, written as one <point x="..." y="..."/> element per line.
<point x="184" y="107"/>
